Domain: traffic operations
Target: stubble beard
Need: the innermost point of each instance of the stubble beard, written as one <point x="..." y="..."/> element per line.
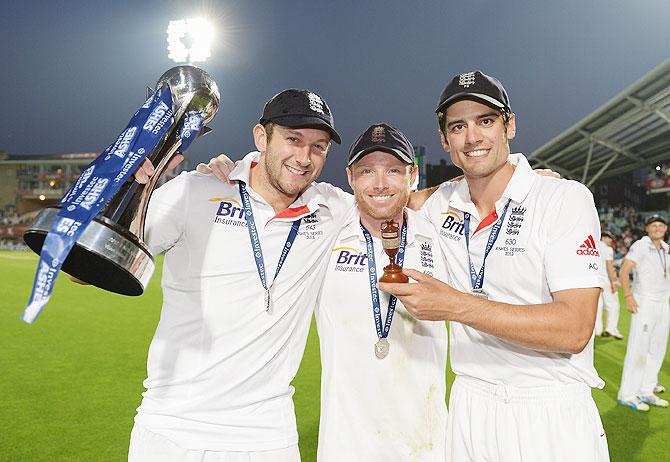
<point x="273" y="171"/>
<point x="369" y="209"/>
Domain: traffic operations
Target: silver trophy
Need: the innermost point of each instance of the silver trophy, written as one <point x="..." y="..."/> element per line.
<point x="110" y="253"/>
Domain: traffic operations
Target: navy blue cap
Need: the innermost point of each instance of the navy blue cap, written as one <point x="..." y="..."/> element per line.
<point x="300" y="109"/>
<point x="382" y="137"/>
<point x="474" y="85"/>
<point x="655" y="217"/>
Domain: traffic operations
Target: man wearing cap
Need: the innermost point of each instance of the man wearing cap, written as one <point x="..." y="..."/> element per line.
<point x="243" y="266"/>
<point x="523" y="262"/>
<point x="382" y="371"/>
<point x="609" y="298"/>
<point x="648" y="303"/>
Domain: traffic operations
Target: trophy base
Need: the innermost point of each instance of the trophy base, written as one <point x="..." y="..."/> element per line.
<point x="393" y="274"/>
<point x="106" y="255"/>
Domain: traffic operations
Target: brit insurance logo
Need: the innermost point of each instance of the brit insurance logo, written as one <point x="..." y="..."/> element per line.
<point x="452" y="226"/>
<point x="588" y="248"/>
<point x="230" y="212"/>
<point x="350" y="260"/>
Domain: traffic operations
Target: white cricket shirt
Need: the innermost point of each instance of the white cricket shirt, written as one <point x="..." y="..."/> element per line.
<point x="220" y="366"/>
<point x="651" y="274"/>
<point x="547" y="243"/>
<point x="379" y="409"/>
<point x="606" y="254"/>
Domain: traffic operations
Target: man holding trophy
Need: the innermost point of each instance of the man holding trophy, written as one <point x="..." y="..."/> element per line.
<point x="242" y="271"/>
<point x="382" y="371"/>
<point x="523" y="294"/>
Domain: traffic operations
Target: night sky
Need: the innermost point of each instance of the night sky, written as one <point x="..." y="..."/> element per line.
<point x="74" y="72"/>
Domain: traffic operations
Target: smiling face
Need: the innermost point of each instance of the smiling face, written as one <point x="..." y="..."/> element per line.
<point x="291" y="158"/>
<point x="656" y="230"/>
<point x="381" y="183"/>
<point x="477" y="137"/>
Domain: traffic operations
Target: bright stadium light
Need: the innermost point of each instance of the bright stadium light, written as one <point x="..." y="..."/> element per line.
<point x="189" y="40"/>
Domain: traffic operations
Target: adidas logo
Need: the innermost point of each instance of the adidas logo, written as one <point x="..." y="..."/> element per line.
<point x="588" y="247"/>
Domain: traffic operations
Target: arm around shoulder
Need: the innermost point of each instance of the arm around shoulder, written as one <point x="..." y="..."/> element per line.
<point x="418" y="198"/>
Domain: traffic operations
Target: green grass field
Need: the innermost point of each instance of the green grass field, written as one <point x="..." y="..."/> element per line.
<point x="71" y="382"/>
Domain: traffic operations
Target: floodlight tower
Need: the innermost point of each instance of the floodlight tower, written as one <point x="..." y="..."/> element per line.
<point x="189" y="40"/>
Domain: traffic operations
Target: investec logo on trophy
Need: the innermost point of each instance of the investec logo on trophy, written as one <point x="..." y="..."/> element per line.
<point x="96" y="231"/>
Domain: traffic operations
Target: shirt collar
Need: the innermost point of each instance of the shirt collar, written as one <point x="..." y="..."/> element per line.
<point x="522" y="179"/>
<point x="647" y="240"/>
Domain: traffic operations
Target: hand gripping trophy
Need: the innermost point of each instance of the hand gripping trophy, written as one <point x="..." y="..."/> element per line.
<point x="96" y="231"/>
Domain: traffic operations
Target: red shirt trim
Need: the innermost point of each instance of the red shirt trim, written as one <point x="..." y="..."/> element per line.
<point x="489" y="220"/>
<point x="292" y="212"/>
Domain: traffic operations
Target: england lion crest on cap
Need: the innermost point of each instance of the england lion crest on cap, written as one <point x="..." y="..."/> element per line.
<point x="467" y="79"/>
<point x="378" y="135"/>
<point x="315" y="102"/>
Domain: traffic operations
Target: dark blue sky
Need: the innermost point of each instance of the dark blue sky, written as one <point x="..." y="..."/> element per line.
<point x="74" y="72"/>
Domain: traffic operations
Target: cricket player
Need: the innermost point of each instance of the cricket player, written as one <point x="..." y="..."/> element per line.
<point x="382" y="371"/>
<point x="648" y="302"/>
<point x="523" y="266"/>
<point x="609" y="298"/>
<point x="242" y="271"/>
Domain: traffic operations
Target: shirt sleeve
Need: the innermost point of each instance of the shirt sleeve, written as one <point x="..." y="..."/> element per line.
<point x="572" y="259"/>
<point x="340" y="202"/>
<point x="634" y="253"/>
<point x="429" y="206"/>
<point x="166" y="215"/>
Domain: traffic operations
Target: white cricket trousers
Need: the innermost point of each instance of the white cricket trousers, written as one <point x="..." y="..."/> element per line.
<point x="146" y="446"/>
<point x="497" y="423"/>
<point x="647" y="342"/>
<point x="610" y="301"/>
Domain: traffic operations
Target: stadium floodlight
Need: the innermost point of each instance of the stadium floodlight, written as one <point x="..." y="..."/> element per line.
<point x="189" y="40"/>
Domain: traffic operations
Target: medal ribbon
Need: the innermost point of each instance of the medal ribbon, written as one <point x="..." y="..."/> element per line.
<point x="98" y="183"/>
<point x="477" y="280"/>
<point x="663" y="260"/>
<point x="372" y="271"/>
<point x="256" y="243"/>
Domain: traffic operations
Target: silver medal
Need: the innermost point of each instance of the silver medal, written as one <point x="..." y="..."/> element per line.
<point x="267" y="300"/>
<point x="382" y="348"/>
<point x="481" y="293"/>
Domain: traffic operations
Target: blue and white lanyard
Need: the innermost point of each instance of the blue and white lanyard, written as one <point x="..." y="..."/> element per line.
<point x="663" y="260"/>
<point x="372" y="271"/>
<point x="256" y="243"/>
<point x="477" y="280"/>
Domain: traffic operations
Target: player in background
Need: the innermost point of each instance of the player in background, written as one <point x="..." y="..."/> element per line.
<point x="609" y="298"/>
<point x="647" y="300"/>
